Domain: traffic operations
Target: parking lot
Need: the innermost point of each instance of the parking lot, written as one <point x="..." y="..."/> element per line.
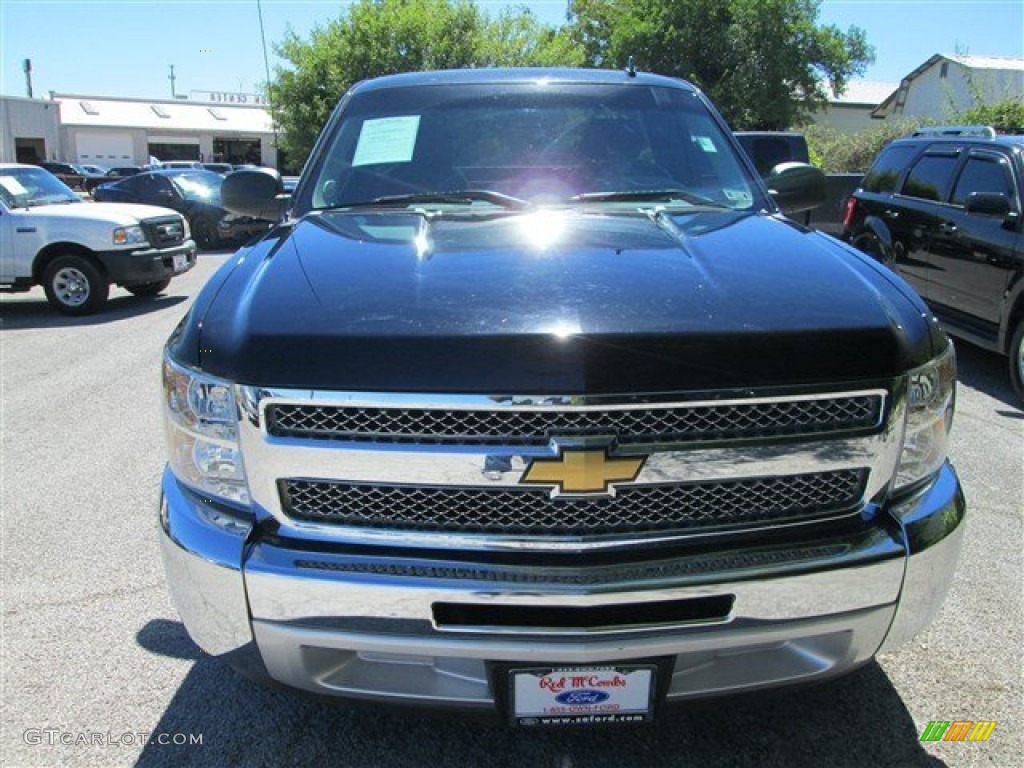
<point x="92" y="645"/>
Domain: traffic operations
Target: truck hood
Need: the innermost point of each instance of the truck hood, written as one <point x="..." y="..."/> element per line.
<point x="559" y="301"/>
<point x="117" y="214"/>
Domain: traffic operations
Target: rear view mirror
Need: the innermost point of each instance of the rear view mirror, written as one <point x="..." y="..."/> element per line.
<point x="796" y="187"/>
<point x="258" y="193"/>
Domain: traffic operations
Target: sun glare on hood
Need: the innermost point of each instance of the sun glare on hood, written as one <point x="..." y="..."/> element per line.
<point x="543" y="229"/>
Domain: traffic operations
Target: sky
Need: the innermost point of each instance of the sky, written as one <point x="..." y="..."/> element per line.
<point x="124" y="48"/>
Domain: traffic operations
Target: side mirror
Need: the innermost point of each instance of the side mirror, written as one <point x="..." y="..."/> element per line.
<point x="796" y="187"/>
<point x="988" y="204"/>
<point x="256" y="192"/>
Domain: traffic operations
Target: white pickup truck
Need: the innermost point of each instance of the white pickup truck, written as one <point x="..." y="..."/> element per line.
<point x="77" y="250"/>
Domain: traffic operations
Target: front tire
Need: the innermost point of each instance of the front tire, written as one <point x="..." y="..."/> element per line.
<point x="148" y="289"/>
<point x="1017" y="359"/>
<point x="75" y="286"/>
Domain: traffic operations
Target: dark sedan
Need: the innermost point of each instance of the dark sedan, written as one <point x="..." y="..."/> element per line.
<point x="193" y="193"/>
<point x="109" y="177"/>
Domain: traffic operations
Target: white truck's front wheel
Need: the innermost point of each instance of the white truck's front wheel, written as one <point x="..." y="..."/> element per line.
<point x="75" y="286"/>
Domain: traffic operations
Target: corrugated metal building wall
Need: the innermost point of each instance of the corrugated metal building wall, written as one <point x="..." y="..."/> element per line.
<point x="29" y="130"/>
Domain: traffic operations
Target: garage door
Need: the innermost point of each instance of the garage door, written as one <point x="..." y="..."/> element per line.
<point x="105" y="148"/>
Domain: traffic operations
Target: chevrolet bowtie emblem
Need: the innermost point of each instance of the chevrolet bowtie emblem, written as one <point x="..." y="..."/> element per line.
<point x="582" y="471"/>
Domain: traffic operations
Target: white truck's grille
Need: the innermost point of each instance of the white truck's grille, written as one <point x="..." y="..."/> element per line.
<point x="164" y="232"/>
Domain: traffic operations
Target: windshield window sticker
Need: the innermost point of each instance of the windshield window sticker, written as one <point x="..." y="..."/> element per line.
<point x="387" y="140"/>
<point x="12" y="185"/>
<point x="705" y="143"/>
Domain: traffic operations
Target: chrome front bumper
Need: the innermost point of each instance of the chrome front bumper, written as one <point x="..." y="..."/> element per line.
<point x="340" y="621"/>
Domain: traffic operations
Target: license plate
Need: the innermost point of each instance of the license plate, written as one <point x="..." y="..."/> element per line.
<point x="180" y="262"/>
<point x="582" y="695"/>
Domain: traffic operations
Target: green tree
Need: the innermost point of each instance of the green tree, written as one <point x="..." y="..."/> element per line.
<point x="1006" y="116"/>
<point x="766" y="64"/>
<point x="836" y="152"/>
<point x="517" y="39"/>
<point x="379" y="37"/>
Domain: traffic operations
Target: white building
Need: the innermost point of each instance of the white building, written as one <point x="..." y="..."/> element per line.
<point x="851" y="111"/>
<point x="114" y="131"/>
<point x="29" y="130"/>
<point x="946" y="84"/>
<point x="107" y="131"/>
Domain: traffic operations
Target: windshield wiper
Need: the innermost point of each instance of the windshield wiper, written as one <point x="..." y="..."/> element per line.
<point x="645" y="195"/>
<point x="461" y="197"/>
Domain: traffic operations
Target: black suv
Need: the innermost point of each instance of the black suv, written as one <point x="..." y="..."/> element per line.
<point x="943" y="208"/>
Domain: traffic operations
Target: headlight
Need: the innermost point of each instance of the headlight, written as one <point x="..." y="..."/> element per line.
<point x="188" y="229"/>
<point x="931" y="391"/>
<point x="202" y="433"/>
<point x="127" y="235"/>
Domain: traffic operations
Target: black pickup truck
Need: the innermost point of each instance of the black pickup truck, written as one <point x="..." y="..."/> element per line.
<point x="534" y="403"/>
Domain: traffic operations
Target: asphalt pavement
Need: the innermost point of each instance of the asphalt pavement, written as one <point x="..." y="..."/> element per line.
<point x="97" y="670"/>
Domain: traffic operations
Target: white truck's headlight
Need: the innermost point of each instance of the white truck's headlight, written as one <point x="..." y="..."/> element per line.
<point x="931" y="392"/>
<point x="202" y="433"/>
<point x="129" y="235"/>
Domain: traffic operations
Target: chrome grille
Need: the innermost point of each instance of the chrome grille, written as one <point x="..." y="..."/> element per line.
<point x="634" y="425"/>
<point x="164" y="232"/>
<point x="633" y="509"/>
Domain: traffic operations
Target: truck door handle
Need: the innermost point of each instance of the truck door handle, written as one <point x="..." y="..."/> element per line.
<point x="947" y="228"/>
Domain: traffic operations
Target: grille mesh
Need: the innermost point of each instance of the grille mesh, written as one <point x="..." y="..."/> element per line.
<point x="631" y="510"/>
<point x="164" y="232"/>
<point x="654" y="424"/>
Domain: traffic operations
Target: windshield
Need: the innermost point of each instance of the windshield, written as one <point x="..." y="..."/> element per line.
<point x="571" y="144"/>
<point x="203" y="186"/>
<point x="27" y="187"/>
